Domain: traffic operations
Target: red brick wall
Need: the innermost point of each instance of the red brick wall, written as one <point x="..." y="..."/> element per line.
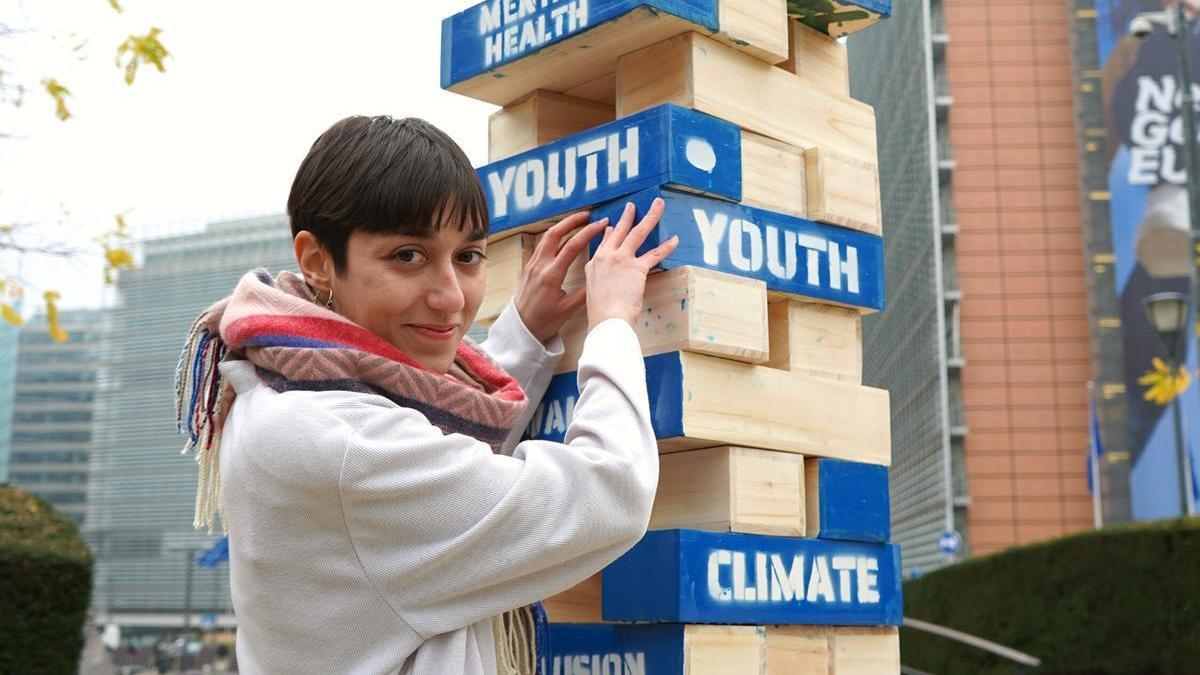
<point x="1020" y="258"/>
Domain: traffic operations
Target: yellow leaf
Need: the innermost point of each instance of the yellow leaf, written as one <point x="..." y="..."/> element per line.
<point x="10" y="315"/>
<point x="59" y="93"/>
<point x="57" y="333"/>
<point x="142" y="49"/>
<point x="115" y="5"/>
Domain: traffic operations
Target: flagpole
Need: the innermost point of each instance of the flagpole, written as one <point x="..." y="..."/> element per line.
<point x="1094" y="464"/>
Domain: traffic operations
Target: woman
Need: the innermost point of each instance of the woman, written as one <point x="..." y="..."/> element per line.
<point x="381" y="516"/>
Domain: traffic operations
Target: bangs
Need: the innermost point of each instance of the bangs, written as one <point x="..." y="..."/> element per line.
<point x="421" y="190"/>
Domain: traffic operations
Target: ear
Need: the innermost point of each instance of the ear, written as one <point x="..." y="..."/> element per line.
<point x="316" y="265"/>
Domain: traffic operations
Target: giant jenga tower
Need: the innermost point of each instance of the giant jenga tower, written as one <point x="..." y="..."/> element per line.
<point x="768" y="551"/>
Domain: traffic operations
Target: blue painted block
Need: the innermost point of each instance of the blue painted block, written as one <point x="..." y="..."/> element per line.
<point x="693" y="576"/>
<point x="664" y="381"/>
<point x="665" y="145"/>
<point x="496" y="32"/>
<point x="607" y="648"/>
<point x="792" y="255"/>
<point x="840" y="17"/>
<point x="847" y="500"/>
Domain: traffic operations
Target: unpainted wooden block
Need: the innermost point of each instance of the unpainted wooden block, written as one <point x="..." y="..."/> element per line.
<point x="731" y="489"/>
<point x="578" y="604"/>
<point x="505" y="264"/>
<point x="603" y="89"/>
<point x="722" y="650"/>
<point x="865" y="651"/>
<point x="843" y="190"/>
<point x="816" y="339"/>
<point x="818" y="58"/>
<point x="691" y="309"/>
<point x="487" y="58"/>
<point x="725" y="401"/>
<point x="697" y="72"/>
<point x="798" y="650"/>
<point x="773" y="175"/>
<point x="541" y="117"/>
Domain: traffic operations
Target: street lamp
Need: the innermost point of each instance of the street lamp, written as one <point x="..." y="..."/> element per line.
<point x="1168" y="313"/>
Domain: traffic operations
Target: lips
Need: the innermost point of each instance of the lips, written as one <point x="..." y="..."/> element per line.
<point x="434" y="331"/>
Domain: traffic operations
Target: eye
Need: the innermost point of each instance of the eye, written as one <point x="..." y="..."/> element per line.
<point x="472" y="256"/>
<point x="408" y="255"/>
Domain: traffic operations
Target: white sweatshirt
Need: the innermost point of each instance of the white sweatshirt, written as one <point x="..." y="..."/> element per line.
<point x="364" y="540"/>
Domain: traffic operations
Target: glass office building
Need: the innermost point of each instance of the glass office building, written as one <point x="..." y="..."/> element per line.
<point x="51" y="409"/>
<point x="142" y="491"/>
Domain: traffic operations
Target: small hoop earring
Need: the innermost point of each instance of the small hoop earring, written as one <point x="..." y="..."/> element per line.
<point x="329" y="301"/>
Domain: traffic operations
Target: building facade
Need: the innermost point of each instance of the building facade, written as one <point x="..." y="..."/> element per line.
<point x="991" y="86"/>
<point x="8" y="371"/>
<point x="142" y="491"/>
<point x="905" y="349"/>
<point x="51" y="409"/>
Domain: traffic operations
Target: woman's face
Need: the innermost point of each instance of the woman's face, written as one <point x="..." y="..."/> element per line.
<point x="418" y="293"/>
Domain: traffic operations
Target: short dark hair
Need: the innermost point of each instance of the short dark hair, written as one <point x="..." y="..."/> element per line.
<point x="382" y="174"/>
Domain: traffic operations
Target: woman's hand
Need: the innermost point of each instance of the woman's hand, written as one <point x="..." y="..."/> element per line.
<point x="616" y="275"/>
<point x="540" y="300"/>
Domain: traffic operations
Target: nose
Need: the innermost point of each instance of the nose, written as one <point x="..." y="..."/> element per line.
<point x="445" y="293"/>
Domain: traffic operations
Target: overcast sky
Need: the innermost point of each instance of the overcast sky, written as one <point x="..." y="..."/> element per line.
<point x="248" y="87"/>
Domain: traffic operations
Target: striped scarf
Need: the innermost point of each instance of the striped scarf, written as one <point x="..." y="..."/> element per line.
<point x="296" y="344"/>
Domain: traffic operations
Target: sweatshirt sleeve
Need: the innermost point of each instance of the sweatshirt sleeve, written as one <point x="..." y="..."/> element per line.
<point x="450" y="534"/>
<point x="526" y="359"/>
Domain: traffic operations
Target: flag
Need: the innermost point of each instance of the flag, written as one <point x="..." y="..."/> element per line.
<point x="216" y="555"/>
<point x="1095" y="444"/>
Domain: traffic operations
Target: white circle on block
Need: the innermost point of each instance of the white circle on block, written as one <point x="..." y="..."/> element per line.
<point x="700" y="154"/>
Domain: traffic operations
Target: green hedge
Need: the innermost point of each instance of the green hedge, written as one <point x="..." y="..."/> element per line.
<point x="1120" y="601"/>
<point x="45" y="586"/>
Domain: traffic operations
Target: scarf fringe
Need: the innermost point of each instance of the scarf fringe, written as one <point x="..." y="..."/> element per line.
<point x="200" y="396"/>
<point x="518" y="637"/>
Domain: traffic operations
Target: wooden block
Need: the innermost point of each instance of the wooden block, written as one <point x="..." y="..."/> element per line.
<point x="667" y="649"/>
<point x="773" y="175"/>
<point x="691" y="309"/>
<point x="603" y="89"/>
<point x="847" y="500"/>
<point x="539" y="118"/>
<point x="731" y="489"/>
<point x="794" y="256"/>
<point x="797" y="650"/>
<point x="693" y="576"/>
<point x="700" y="73"/>
<point x="866" y="651"/>
<point x="816" y="339"/>
<point x="579" y="604"/>
<point x="818" y="58"/>
<point x="701" y="401"/>
<point x="505" y="264"/>
<point x="667" y="145"/>
<point x="843" y="191"/>
<point x="499" y="50"/>
<point x="840" y="17"/>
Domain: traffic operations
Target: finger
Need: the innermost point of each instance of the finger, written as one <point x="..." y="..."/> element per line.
<point x="659" y="253"/>
<point x="623" y="225"/>
<point x="552" y="239"/>
<point x="638" y="235"/>
<point x="575" y="245"/>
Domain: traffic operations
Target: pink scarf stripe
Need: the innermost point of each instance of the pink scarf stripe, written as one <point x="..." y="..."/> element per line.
<point x="340" y="333"/>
